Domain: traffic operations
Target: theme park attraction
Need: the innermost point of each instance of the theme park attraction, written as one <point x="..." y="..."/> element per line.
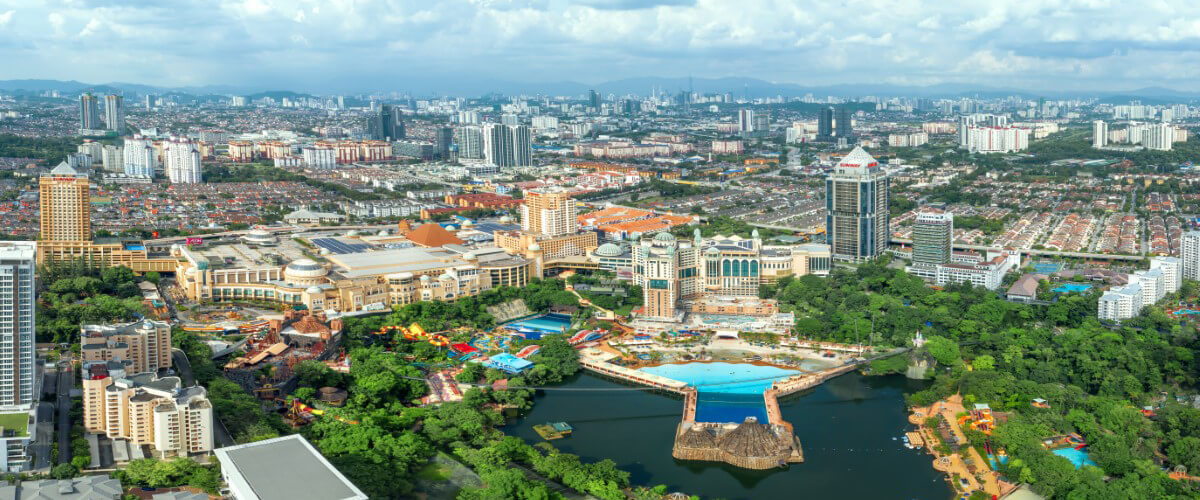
<point x="414" y="332"/>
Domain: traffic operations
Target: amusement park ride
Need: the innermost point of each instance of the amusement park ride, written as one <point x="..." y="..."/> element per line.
<point x="414" y="332"/>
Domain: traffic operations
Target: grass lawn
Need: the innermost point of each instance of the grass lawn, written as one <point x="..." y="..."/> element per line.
<point x="16" y="422"/>
<point x="624" y="310"/>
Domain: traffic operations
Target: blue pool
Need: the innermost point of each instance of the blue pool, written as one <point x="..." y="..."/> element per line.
<point x="1186" y="311"/>
<point x="546" y="323"/>
<point x="728" y="392"/>
<point x="1078" y="458"/>
<point x="1072" y="288"/>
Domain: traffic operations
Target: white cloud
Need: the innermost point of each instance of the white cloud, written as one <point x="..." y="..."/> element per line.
<point x="6" y="16"/>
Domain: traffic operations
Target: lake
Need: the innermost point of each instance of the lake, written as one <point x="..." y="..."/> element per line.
<point x="846" y="427"/>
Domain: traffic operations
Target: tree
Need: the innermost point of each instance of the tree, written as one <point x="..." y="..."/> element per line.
<point x="944" y="350"/>
<point x="984" y="362"/>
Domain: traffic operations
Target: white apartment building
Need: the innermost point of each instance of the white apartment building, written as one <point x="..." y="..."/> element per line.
<point x="319" y="157"/>
<point x="910" y="140"/>
<point x="542" y="123"/>
<point x="1189" y="255"/>
<point x="1099" y="134"/>
<point x="181" y="160"/>
<point x="140" y="156"/>
<point x="988" y="274"/>
<point x="728" y="147"/>
<point x="470" y="141"/>
<point x="966" y="122"/>
<point x="19" y="385"/>
<point x="1172" y="269"/>
<point x="996" y="139"/>
<point x="1120" y="303"/>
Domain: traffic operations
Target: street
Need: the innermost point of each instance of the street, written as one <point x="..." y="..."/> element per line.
<point x="184" y="368"/>
<point x="65" y="380"/>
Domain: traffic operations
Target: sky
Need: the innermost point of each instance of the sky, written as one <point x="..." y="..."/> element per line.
<point x="389" y="45"/>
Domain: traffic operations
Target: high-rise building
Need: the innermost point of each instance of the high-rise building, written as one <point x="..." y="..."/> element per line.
<point x="594" y="100"/>
<point x="114" y="113"/>
<point x="468" y="117"/>
<point x="845" y="128"/>
<point x="181" y="161"/>
<point x="470" y="141"/>
<point x="1099" y="134"/>
<point x="666" y="271"/>
<point x="17" y="298"/>
<point x="549" y="212"/>
<point x="967" y="122"/>
<point x="857" y="193"/>
<point x="89" y="112"/>
<point x="507" y="146"/>
<point x="932" y="238"/>
<point x="65" y="204"/>
<point x="996" y="139"/>
<point x="1190" y="255"/>
<point x="825" y="124"/>
<point x="140" y="157"/>
<point x="319" y="157"/>
<point x="91" y="148"/>
<point x="146" y="410"/>
<point x="113" y="158"/>
<point x="1172" y="269"/>
<point x="143" y="346"/>
<point x="443" y="137"/>
<point x="387" y="124"/>
<point x="149" y="101"/>
<point x="745" y="121"/>
<point x="509" y="119"/>
<point x="1158" y="136"/>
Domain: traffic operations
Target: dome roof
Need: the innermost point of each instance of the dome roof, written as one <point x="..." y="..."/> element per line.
<point x="304" y="268"/>
<point x="383" y="232"/>
<point x="608" y="250"/>
<point x="425" y="277"/>
<point x="535" y="247"/>
<point x="469" y="256"/>
<point x="664" y="236"/>
<point x="352" y="233"/>
<point x="450" y="227"/>
<point x="313" y="290"/>
<point x="445" y="276"/>
<point x="712" y="251"/>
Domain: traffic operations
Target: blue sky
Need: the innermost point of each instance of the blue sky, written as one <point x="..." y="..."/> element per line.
<point x="1042" y="44"/>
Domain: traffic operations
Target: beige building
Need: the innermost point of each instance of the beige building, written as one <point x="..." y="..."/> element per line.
<point x="146" y="410"/>
<point x="144" y="346"/>
<point x="549" y="229"/>
<point x="259" y="268"/>
<point x="549" y="212"/>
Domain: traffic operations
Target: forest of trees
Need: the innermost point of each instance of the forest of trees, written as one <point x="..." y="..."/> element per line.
<point x="76" y="294"/>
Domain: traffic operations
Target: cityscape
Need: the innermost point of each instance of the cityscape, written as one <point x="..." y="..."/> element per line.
<point x="520" y="268"/>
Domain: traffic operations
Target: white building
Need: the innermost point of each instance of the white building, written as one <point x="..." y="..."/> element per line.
<point x="966" y="122"/>
<point x="728" y="147"/>
<point x="140" y="156"/>
<point x="1120" y="303"/>
<point x="282" y="467"/>
<point x="988" y="274"/>
<point x="1152" y="283"/>
<point x="319" y="157"/>
<point x="910" y="140"/>
<point x="1099" y="134"/>
<point x="996" y="139"/>
<point x="181" y="160"/>
<point x="1190" y="255"/>
<point x="113" y="158"/>
<point x="544" y="123"/>
<point x="1172" y="269"/>
<point x="1158" y="137"/>
<point x="507" y="145"/>
<point x="470" y="141"/>
<point x="18" y="384"/>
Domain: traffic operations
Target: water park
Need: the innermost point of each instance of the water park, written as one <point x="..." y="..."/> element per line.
<point x="533" y="328"/>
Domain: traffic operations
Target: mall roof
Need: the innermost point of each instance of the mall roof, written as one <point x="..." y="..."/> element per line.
<point x="285" y="468"/>
<point x="412" y="260"/>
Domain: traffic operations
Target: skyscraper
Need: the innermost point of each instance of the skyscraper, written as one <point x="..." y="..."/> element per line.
<point x="114" y="113"/>
<point x="1190" y="255"/>
<point x="845" y="129"/>
<point x="549" y="212"/>
<point x="442" y="140"/>
<point x="825" y="124"/>
<point x="66" y="205"/>
<point x="594" y="100"/>
<point x="932" y="235"/>
<point x="17" y="264"/>
<point x="181" y="161"/>
<point x="1099" y="134"/>
<point x="857" y="193"/>
<point x="745" y="121"/>
<point x="507" y="146"/>
<point x="89" y="112"/>
<point x="470" y="141"/>
<point x="386" y="124"/>
<point x="140" y="156"/>
<point x="113" y="158"/>
<point x="150" y="99"/>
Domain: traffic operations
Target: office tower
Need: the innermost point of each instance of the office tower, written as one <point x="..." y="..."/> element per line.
<point x="857" y="192"/>
<point x="17" y="298"/>
<point x="1099" y="134"/>
<point x="113" y="158"/>
<point x="140" y="156"/>
<point x="932" y="236"/>
<point x="181" y="161"/>
<point x="149" y="101"/>
<point x="114" y="113"/>
<point x="845" y="129"/>
<point x="470" y="141"/>
<point x="386" y="124"/>
<point x="89" y="112"/>
<point x="549" y="212"/>
<point x="594" y="100"/>
<point x="507" y="146"/>
<point x="745" y="121"/>
<point x="442" y="140"/>
<point x="1172" y="269"/>
<point x="825" y="124"/>
<point x="65" y="204"/>
<point x="1190" y="255"/>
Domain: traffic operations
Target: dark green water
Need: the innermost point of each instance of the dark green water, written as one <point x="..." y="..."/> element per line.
<point x="846" y="427"/>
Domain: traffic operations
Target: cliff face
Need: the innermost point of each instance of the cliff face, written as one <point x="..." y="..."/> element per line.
<point x="919" y="364"/>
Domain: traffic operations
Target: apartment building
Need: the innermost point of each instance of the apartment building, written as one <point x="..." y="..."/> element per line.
<point x="146" y="410"/>
<point x="143" y="346"/>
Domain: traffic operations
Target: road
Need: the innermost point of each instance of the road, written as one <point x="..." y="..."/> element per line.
<point x="1030" y="251"/>
<point x="184" y="368"/>
<point x="66" y="379"/>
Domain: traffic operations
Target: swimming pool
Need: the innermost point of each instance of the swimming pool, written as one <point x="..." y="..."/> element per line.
<point x="1078" y="458"/>
<point x="1186" y="311"/>
<point x="1072" y="288"/>
<point x="546" y="323"/>
<point x="727" y="392"/>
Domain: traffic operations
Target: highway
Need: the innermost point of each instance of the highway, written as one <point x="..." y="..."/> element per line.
<point x="1030" y="251"/>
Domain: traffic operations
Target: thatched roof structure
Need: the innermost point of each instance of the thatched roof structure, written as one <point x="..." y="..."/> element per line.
<point x="749" y="445"/>
<point x="752" y="439"/>
<point x="697" y="437"/>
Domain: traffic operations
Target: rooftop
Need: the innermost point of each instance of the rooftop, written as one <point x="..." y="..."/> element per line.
<point x="285" y="468"/>
<point x="413" y="260"/>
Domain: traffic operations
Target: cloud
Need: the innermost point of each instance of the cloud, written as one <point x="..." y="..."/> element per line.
<point x="1059" y="44"/>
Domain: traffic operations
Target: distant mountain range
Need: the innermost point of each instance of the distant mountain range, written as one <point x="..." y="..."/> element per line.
<point x="426" y="86"/>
